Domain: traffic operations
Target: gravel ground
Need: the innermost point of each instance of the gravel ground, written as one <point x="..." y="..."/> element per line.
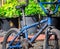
<point x="0" y="46"/>
<point x="59" y="44"/>
<point x="37" y="45"/>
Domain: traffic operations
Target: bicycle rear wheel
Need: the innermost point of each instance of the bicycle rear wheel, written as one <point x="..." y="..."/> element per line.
<point x="10" y="34"/>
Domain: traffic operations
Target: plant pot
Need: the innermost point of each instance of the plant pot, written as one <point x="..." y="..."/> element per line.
<point x="13" y="22"/>
<point x="56" y="22"/>
<point x="5" y="23"/>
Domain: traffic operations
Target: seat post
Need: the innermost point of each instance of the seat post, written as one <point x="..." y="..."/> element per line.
<point x="23" y="16"/>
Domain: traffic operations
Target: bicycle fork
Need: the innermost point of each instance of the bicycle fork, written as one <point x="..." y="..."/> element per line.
<point x="47" y="38"/>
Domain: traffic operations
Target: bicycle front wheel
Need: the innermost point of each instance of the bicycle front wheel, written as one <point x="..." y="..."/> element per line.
<point x="51" y="43"/>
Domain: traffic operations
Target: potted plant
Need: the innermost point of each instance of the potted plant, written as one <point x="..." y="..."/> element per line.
<point x="33" y="9"/>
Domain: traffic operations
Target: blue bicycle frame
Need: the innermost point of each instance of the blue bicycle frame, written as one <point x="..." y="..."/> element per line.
<point x="48" y="20"/>
<point x="26" y="34"/>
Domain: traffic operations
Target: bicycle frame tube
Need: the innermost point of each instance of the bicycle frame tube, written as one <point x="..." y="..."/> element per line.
<point x="15" y="38"/>
<point x="49" y="20"/>
<point x="16" y="46"/>
<point x="37" y="34"/>
<point x="33" y="25"/>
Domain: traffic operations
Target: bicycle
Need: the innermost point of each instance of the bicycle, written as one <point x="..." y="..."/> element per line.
<point x="23" y="42"/>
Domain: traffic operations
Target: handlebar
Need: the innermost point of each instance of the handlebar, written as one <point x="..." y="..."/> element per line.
<point x="45" y="10"/>
<point x="22" y="6"/>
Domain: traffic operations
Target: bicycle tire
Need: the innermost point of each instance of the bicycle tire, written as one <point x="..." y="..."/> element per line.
<point x="53" y="43"/>
<point x="57" y="32"/>
<point x="9" y="32"/>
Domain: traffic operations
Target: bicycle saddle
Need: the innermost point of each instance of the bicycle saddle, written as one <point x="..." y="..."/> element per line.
<point x="22" y="6"/>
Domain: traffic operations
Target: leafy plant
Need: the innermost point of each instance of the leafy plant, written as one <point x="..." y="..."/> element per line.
<point x="8" y="9"/>
<point x="33" y="8"/>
